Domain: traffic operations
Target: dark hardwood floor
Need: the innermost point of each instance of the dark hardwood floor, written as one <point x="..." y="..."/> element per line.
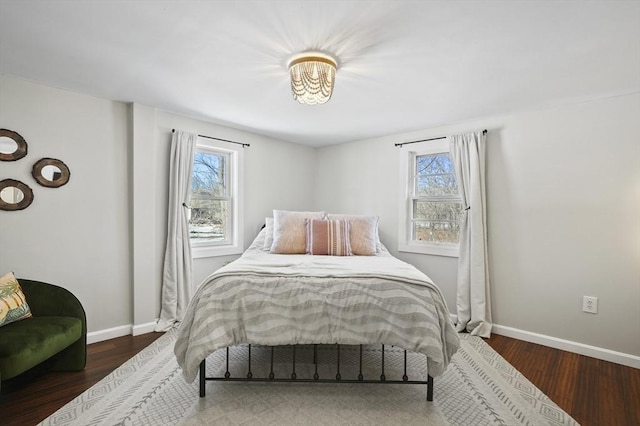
<point x="30" y="398"/>
<point x="594" y="392"/>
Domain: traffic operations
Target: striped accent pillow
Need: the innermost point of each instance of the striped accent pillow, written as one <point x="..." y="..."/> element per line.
<point x="328" y="237"/>
<point x="363" y="235"/>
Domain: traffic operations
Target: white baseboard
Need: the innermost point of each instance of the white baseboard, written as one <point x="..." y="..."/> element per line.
<point x="567" y="345"/>
<point x="144" y="328"/>
<point x="528" y="336"/>
<point x="123" y="330"/>
<point x="109" y="333"/>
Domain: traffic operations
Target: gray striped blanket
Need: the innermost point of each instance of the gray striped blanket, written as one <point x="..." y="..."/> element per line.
<point x="271" y="299"/>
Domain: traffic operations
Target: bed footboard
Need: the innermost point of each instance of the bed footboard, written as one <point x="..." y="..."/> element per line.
<point x="293" y="376"/>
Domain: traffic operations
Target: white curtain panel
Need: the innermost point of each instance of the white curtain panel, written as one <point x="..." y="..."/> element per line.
<point x="473" y="298"/>
<point x="177" y="286"/>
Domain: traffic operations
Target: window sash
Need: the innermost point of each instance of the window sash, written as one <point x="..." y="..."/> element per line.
<point x="227" y="183"/>
<point x="420" y="175"/>
<point x="226" y="197"/>
<point x="443" y="227"/>
<point x="414" y="199"/>
<point x="198" y="233"/>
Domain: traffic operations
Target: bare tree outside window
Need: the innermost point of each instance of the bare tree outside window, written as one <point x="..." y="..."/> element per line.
<point x="210" y="197"/>
<point x="437" y="207"/>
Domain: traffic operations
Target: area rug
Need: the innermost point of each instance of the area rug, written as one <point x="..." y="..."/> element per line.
<point x="478" y="388"/>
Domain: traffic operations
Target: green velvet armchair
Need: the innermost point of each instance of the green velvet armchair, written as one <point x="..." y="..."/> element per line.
<point x="54" y="338"/>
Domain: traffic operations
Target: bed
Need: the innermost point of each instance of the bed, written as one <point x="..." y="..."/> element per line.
<point x="270" y="299"/>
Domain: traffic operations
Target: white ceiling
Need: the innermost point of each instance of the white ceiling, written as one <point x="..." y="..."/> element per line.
<point x="403" y="65"/>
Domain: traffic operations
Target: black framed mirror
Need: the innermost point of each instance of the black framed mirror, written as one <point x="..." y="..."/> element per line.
<point x="51" y="172"/>
<point x="14" y="195"/>
<point x="12" y="146"/>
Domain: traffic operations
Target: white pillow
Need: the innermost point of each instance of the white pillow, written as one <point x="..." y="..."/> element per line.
<point x="363" y="235"/>
<point x="289" y="232"/>
<point x="268" y="233"/>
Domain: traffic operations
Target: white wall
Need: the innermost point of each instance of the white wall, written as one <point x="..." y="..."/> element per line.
<point x="572" y="230"/>
<point x="75" y="236"/>
<point x="563" y="215"/>
<point x="102" y="235"/>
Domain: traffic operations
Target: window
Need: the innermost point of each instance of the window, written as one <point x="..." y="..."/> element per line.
<point x="432" y="207"/>
<point x="214" y="223"/>
<point x="210" y="198"/>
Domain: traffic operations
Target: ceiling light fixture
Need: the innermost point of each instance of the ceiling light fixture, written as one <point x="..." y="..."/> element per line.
<point x="312" y="77"/>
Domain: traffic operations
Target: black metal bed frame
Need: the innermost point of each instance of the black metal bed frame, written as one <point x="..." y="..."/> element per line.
<point x="316" y="378"/>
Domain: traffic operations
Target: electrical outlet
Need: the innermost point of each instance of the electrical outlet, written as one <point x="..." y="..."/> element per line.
<point x="590" y="304"/>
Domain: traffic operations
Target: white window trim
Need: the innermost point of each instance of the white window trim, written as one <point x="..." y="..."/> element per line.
<point x="405" y="243"/>
<point x="236" y="245"/>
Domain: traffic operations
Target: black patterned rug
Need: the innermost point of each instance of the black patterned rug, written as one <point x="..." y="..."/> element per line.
<point x="478" y="388"/>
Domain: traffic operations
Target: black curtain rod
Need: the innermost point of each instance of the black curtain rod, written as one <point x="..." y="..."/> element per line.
<point x="432" y="139"/>
<point x="218" y="139"/>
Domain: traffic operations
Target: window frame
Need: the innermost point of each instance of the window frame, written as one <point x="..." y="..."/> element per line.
<point x="406" y="243"/>
<point x="235" y="190"/>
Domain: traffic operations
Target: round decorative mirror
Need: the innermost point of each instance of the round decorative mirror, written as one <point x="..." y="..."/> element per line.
<point x="12" y="146"/>
<point x="51" y="173"/>
<point x="14" y="195"/>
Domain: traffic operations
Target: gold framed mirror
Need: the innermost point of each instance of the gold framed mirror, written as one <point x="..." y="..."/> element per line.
<point x="14" y="195"/>
<point x="51" y="172"/>
<point x="12" y="146"/>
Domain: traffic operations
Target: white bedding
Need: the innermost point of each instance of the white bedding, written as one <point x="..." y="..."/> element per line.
<point x="275" y="299"/>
